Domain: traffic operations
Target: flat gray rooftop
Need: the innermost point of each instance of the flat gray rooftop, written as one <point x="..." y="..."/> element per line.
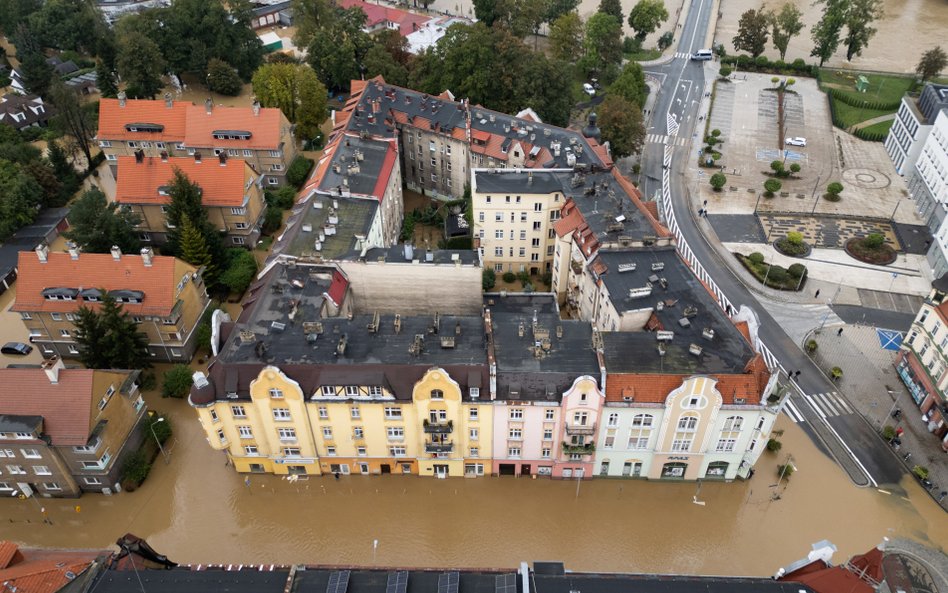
<point x="681" y="296"/>
<point x="399" y="254"/>
<point x="310" y="223"/>
<point x="360" y="162"/>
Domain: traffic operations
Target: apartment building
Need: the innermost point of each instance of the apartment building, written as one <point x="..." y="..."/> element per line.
<point x="164" y="295"/>
<point x="262" y="137"/>
<point x="72" y="432"/>
<point x="913" y="121"/>
<point x="928" y="185"/>
<point x="922" y="362"/>
<point x="231" y="194"/>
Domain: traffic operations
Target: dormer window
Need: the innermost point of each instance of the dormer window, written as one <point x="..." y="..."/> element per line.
<point x="231" y="135"/>
<point x="329" y="390"/>
<point x="145" y="128"/>
<point x="60" y="294"/>
<point x="127" y="296"/>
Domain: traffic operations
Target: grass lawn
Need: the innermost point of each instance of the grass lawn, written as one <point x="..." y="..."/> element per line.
<point x="879" y="128"/>
<point x="882" y="87"/>
<point x="644" y="55"/>
<point x="849" y="115"/>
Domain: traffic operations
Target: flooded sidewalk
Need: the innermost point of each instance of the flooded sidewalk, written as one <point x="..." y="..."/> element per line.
<point x="199" y="510"/>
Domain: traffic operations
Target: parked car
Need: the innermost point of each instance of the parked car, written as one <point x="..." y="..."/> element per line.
<point x="588" y="89"/>
<point x="16" y="349"/>
<point x="702" y="54"/>
<point x="797" y="141"/>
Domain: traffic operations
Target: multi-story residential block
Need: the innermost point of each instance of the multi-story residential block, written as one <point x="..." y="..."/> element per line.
<point x="303" y="386"/>
<point x="922" y="362"/>
<point x="549" y="372"/>
<point x="230" y="192"/>
<point x="928" y="185"/>
<point x="164" y="295"/>
<point x="262" y="137"/>
<point x="71" y="433"/>
<point x="911" y="126"/>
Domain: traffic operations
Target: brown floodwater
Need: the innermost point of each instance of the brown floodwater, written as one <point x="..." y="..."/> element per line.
<point x="196" y="510"/>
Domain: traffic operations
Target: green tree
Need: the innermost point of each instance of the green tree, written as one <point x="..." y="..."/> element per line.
<point x="488" y="279"/>
<point x="772" y="186"/>
<point x="826" y="33"/>
<point x="335" y="53"/>
<point x="108" y="338"/>
<point x="222" y="78"/>
<point x="193" y="248"/>
<point x="51" y="187"/>
<point x="859" y="29"/>
<point x="666" y="40"/>
<point x="752" y="32"/>
<point x="309" y="16"/>
<point x="835" y="188"/>
<point x="718" y="181"/>
<point x="544" y="89"/>
<point x="785" y="25"/>
<point x="379" y="62"/>
<point x="603" y="40"/>
<point x="80" y="121"/>
<point x="68" y="25"/>
<point x="240" y="271"/>
<point x="560" y="7"/>
<point x="646" y="16"/>
<point x="530" y="16"/>
<point x="140" y="64"/>
<point x="35" y="71"/>
<point x="62" y="168"/>
<point x="613" y="7"/>
<point x="105" y="80"/>
<point x="19" y="198"/>
<point x="621" y="125"/>
<point x="631" y="84"/>
<point x="932" y="63"/>
<point x="396" y="45"/>
<point x="186" y="204"/>
<point x="15" y="12"/>
<point x="489" y="11"/>
<point x="177" y="381"/>
<point x="566" y="34"/>
<point x="295" y="90"/>
<point x="96" y="224"/>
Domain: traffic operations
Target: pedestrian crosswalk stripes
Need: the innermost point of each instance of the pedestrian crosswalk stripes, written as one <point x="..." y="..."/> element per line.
<point x="660" y="139"/>
<point x="682" y="54"/>
<point x="792" y="411"/>
<point x="828" y="404"/>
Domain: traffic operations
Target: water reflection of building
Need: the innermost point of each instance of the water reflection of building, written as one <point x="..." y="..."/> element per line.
<point x="922" y="362"/>
<point x="72" y="431"/>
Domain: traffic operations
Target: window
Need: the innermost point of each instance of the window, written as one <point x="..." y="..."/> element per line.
<point x="56" y="316"/>
<point x="613" y="420"/>
<point x="248" y="152"/>
<point x="694" y="402"/>
<point x="499" y="217"/>
<point x="550" y="415"/>
<point x="272" y="181"/>
<point x="538" y="207"/>
<point x="523" y="252"/>
<point x="760" y="423"/>
<point x="41" y="470"/>
<point x="352" y="390"/>
<point x="725" y="445"/>
<point x="535" y="242"/>
<point x="64" y="333"/>
<point x="238" y="411"/>
<point x="397" y="451"/>
<point x="291" y="451"/>
<point x="547" y="434"/>
<point x="354" y="412"/>
<point x="250" y="450"/>
<point x="16" y="470"/>
<point x="23" y="435"/>
<point x="287" y="434"/>
<point x="282" y="414"/>
<point x="25" y="316"/>
<point x="734" y="423"/>
<point x="105" y="144"/>
<point x="499" y="251"/>
<point x="681" y="444"/>
<point x="474" y="451"/>
<point x="395" y="432"/>
<point x="323" y="412"/>
<point x="276" y="393"/>
<point x="329" y="390"/>
<point x="85" y="449"/>
<point x="360" y="451"/>
<point x="513" y="452"/>
<point x="52" y="486"/>
<point x="641" y="431"/>
<point x="516" y="413"/>
<point x="545" y="453"/>
<point x="536" y="225"/>
<point x="480" y="217"/>
<point x="92" y="481"/>
<point x="221" y="436"/>
<point x="357" y="432"/>
<point x="375" y="391"/>
<point x="102" y="462"/>
<point x="515" y="434"/>
<point x="30" y="453"/>
<point x="610" y="441"/>
<point x="327" y="432"/>
<point x="498" y="234"/>
<point x="240" y="226"/>
<point x="472" y="413"/>
<point x="688" y="423"/>
<point x="245" y="432"/>
<point x="275" y="154"/>
<point x="238" y="211"/>
<point x="580" y="418"/>
<point x="212" y="412"/>
<point x="393" y="413"/>
<point x="437" y="394"/>
<point x="473" y="434"/>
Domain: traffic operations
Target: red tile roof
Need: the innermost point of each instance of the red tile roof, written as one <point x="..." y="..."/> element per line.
<point x="9" y="552"/>
<point x="337" y="289"/>
<point x="95" y="270"/>
<point x="264" y="127"/>
<point x="66" y="406"/>
<point x="221" y="185"/>
<point x="654" y="388"/>
<point x="44" y="571"/>
<point x="385" y="173"/>
<point x="113" y="118"/>
<point x="636" y="197"/>
<point x="828" y="579"/>
<point x="376" y="14"/>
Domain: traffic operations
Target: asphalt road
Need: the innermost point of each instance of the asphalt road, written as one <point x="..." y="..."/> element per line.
<point x="880" y="318"/>
<point x="851" y="440"/>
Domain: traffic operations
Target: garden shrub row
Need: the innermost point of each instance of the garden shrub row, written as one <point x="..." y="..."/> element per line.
<point x="764" y="64"/>
<point x="844" y="97"/>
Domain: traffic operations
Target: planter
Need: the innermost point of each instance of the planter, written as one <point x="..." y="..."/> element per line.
<point x="882" y="256"/>
<point x="786" y="248"/>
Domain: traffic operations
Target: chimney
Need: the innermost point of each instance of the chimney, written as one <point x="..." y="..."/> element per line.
<point x="197" y="157"/>
<point x="164" y="156"/>
<point x="256" y="108"/>
<point x="169" y="102"/>
<point x="146" y="256"/>
<point x="52" y="368"/>
<point x="208" y="105"/>
<point x="121" y="98"/>
<point x="116" y="253"/>
<point x="223" y="158"/>
<point x="73" y="249"/>
<point x="42" y="252"/>
<point x="139" y="156"/>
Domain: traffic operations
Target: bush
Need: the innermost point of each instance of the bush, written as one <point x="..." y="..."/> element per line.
<point x="222" y="78"/>
<point x="718" y="181"/>
<point x="631" y="45"/>
<point x="834" y="188"/>
<point x="282" y="198"/>
<point x="135" y="470"/>
<point x="715" y="132"/>
<point x="177" y="381"/>
<point x="299" y="170"/>
<point x="836" y="373"/>
<point x="203" y="337"/>
<point x="547" y="278"/>
<point x="888" y="432"/>
<point x="155" y="429"/>
<point x="725" y="71"/>
<point x="666" y="40"/>
<point x="811" y="345"/>
<point x="272" y="220"/>
<point x="797" y="270"/>
<point x="778" y="274"/>
<point x="777" y="167"/>
<point x="773" y="445"/>
<point x="785" y="471"/>
<point x="488" y="279"/>
<point x="523" y="277"/>
<point x="756" y="258"/>
<point x="772" y="186"/>
<point x="795" y="238"/>
<point x="920" y="472"/>
<point x="241" y="268"/>
<point x="874" y="240"/>
<point x="509" y="277"/>
<point x="795" y="168"/>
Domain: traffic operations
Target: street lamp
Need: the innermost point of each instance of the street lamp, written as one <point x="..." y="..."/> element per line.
<point x="157" y="440"/>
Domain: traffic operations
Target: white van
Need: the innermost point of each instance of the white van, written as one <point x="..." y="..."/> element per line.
<point x="702" y="54"/>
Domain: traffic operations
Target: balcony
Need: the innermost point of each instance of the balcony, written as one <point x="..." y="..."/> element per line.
<point x="587" y="449"/>
<point x="435" y="447"/>
<point x="439" y="427"/>
<point x="580" y="429"/>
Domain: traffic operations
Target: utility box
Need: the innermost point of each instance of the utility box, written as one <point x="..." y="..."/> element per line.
<point x="862" y="84"/>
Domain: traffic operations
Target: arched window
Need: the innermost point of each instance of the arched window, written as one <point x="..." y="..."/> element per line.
<point x="437" y="394"/>
<point x="733" y="423"/>
<point x="688" y="422"/>
<point x="641" y="432"/>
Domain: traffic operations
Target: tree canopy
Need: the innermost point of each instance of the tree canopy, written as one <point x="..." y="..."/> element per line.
<point x="603" y="42"/>
<point x="296" y="91"/>
<point x="621" y="125"/>
<point x="108" y="338"/>
<point x="613" y="7"/>
<point x="566" y="34"/>
<point x="785" y="25"/>
<point x="859" y="29"/>
<point x="96" y="224"/>
<point x="646" y="16"/>
<point x="141" y="65"/>
<point x="752" y="32"/>
<point x="337" y="50"/>
<point x="826" y="33"/>
<point x="931" y="63"/>
<point x="223" y="78"/>
<point x="20" y="197"/>
<point x="630" y="85"/>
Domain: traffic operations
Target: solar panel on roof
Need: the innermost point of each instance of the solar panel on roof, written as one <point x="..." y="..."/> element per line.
<point x="505" y="583"/>
<point x="448" y="582"/>
<point x="338" y="582"/>
<point x="397" y="582"/>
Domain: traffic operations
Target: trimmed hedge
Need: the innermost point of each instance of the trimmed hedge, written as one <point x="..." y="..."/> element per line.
<point x="848" y="99"/>
<point x="763" y="64"/>
<point x="864" y="134"/>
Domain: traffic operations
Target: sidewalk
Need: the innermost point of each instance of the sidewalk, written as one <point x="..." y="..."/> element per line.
<point x="873" y="388"/>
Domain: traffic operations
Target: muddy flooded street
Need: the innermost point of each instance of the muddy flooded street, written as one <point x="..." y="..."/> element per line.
<point x="197" y="510"/>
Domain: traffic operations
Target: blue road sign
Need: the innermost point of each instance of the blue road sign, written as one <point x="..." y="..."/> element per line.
<point x="889" y="339"/>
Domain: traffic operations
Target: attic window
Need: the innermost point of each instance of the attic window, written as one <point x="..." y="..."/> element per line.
<point x="145" y="128"/>
<point x="91" y="294"/>
<point x="231" y="135"/>
<point x="127" y="296"/>
<point x="60" y="294"/>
